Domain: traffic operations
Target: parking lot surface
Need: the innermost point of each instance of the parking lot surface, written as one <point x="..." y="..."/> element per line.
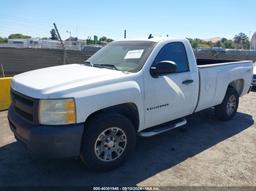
<point x="207" y="153"/>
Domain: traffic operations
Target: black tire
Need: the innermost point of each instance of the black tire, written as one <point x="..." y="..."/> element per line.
<point x="96" y="126"/>
<point x="221" y="111"/>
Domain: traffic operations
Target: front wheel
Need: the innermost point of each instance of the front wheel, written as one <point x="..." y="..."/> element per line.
<point x="228" y="108"/>
<point x="107" y="142"/>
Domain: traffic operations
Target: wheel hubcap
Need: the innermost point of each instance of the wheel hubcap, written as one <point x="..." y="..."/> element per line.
<point x="110" y="144"/>
<point x="231" y="105"/>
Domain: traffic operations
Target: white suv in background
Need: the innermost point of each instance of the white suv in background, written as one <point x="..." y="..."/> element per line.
<point x="254" y="76"/>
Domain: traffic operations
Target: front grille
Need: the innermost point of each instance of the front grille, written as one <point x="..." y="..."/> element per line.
<point x="24" y="106"/>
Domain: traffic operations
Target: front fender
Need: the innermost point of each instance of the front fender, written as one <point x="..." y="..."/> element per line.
<point x="95" y="99"/>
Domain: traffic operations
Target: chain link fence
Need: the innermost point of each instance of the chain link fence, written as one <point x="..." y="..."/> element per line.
<point x="17" y="60"/>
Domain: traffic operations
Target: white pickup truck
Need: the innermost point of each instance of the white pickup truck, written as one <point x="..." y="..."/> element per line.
<point x="95" y="110"/>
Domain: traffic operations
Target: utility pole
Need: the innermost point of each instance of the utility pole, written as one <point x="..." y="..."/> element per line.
<point x="69" y="32"/>
<point x="125" y="34"/>
<point x="63" y="46"/>
<point x="2" y="68"/>
<point x="250" y="40"/>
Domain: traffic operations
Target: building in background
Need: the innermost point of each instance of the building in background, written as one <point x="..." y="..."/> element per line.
<point x="32" y="43"/>
<point x="253" y="42"/>
<point x="71" y="43"/>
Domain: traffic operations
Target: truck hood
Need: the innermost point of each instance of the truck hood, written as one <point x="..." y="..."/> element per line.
<point x="43" y="82"/>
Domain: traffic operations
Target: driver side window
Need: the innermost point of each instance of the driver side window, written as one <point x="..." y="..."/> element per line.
<point x="175" y="52"/>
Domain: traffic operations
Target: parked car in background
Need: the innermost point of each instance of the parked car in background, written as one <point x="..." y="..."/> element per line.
<point x="141" y="87"/>
<point x="254" y="76"/>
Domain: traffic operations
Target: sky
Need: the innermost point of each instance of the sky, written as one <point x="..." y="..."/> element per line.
<point x="178" y="18"/>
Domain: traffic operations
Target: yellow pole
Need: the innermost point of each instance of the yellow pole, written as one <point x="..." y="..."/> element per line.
<point x="5" y="98"/>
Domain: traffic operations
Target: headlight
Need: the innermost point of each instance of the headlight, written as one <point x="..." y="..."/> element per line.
<point x="57" y="112"/>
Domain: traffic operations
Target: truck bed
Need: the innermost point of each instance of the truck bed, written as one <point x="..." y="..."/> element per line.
<point x="213" y="77"/>
<point x="201" y="62"/>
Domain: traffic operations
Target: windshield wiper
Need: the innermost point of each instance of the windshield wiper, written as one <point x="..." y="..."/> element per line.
<point x="105" y="66"/>
<point x="88" y="63"/>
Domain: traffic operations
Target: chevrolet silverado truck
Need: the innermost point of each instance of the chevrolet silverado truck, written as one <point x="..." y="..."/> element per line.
<point x="97" y="109"/>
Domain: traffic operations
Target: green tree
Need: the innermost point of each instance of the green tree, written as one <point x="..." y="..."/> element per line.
<point x="226" y="43"/>
<point x="194" y="42"/>
<point x="198" y="43"/>
<point x="3" y="40"/>
<point x="109" y="40"/>
<point x="53" y="35"/>
<point x="18" y="35"/>
<point x="89" y="41"/>
<point x="223" y="42"/>
<point x="103" y="39"/>
<point x="241" y="41"/>
<point x="218" y="44"/>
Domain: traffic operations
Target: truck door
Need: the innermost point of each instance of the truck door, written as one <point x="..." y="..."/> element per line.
<point x="170" y="96"/>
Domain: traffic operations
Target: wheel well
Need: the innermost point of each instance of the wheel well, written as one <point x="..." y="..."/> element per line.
<point x="238" y="85"/>
<point x="129" y="110"/>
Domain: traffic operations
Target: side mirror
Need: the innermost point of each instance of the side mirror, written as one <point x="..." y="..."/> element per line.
<point x="162" y="68"/>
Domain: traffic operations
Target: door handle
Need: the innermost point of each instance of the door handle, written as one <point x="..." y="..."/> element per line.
<point x="188" y="81"/>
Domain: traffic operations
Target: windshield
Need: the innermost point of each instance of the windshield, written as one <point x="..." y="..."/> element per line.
<point x="122" y="55"/>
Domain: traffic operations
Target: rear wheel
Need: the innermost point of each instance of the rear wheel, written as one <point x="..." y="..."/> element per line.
<point x="228" y="108"/>
<point x="107" y="142"/>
